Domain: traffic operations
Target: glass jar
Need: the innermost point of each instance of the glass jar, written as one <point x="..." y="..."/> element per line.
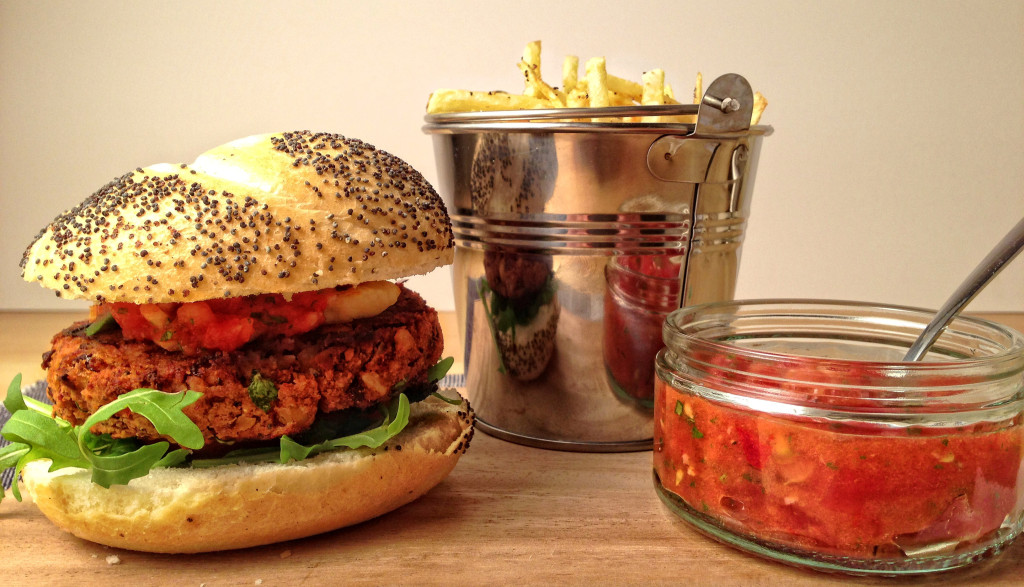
<point x="794" y="430"/>
<point x="642" y="291"/>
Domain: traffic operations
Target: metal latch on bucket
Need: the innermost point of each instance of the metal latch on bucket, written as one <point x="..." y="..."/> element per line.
<point x="725" y="108"/>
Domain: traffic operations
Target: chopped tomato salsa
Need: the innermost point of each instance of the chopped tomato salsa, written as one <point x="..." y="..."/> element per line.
<point x="632" y="337"/>
<point x="642" y="291"/>
<point x="220" y="324"/>
<point x="847" y="489"/>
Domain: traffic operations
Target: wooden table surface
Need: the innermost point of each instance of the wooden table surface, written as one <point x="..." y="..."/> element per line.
<point x="507" y="514"/>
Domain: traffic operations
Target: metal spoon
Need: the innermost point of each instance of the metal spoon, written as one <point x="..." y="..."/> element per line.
<point x="990" y="266"/>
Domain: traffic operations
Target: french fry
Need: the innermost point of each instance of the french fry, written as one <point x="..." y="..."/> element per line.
<point x="597" y="82"/>
<point x="468" y="101"/>
<point x="530" y="66"/>
<point x="653" y="90"/>
<point x="617" y="99"/>
<point x="577" y="98"/>
<point x="626" y="87"/>
<point x="531" y="55"/>
<point x="670" y="98"/>
<point x="595" y="89"/>
<point x="654" y="87"/>
<point x="570" y="73"/>
<point x="698" y="93"/>
<point x="537" y="87"/>
<point x="670" y="95"/>
<point x="760" y="103"/>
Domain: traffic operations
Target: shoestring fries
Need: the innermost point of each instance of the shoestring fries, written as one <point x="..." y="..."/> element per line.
<point x="595" y="89"/>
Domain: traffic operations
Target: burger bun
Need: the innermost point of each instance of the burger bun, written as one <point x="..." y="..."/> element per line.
<point x="275" y="213"/>
<point x="189" y="510"/>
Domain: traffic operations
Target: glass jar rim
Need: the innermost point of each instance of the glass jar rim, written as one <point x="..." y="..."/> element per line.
<point x="693" y="324"/>
<point x="719" y="347"/>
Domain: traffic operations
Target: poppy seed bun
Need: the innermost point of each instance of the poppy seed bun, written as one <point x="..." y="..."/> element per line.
<point x="526" y="349"/>
<point x="276" y="213"/>
<point x="238" y="506"/>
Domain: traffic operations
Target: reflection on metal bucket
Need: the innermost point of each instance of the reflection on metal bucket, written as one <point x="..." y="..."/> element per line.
<point x="553" y="222"/>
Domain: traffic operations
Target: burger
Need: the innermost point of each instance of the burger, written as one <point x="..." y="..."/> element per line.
<point x="254" y="368"/>
<point x="518" y="293"/>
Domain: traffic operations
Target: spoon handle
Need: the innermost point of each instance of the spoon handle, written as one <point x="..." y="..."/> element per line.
<point x="1003" y="253"/>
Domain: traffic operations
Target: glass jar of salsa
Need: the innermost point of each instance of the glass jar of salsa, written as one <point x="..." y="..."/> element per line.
<point x="794" y="430"/>
<point x="642" y="290"/>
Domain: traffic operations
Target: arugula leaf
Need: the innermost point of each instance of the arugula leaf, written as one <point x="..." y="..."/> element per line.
<point x="119" y="469"/>
<point x="438" y="371"/>
<point x="10" y="455"/>
<point x="36" y="434"/>
<point x="47" y="437"/>
<point x="373" y="438"/>
<point x="42" y="438"/>
<point x="163" y="409"/>
<point x="293" y="451"/>
<point x="507" y="316"/>
<point x="102" y="323"/>
<point x="173" y="458"/>
<point x="448" y="400"/>
<point x="484" y="292"/>
<point x="106" y="444"/>
<point x="14" y="400"/>
<point x="396" y="418"/>
<point x="434" y="375"/>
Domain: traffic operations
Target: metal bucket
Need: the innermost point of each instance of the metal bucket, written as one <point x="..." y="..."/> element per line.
<point x="574" y="238"/>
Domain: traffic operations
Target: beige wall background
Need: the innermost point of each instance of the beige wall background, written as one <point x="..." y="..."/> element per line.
<point x="896" y="162"/>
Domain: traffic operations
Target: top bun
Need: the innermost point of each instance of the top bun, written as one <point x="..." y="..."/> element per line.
<point x="275" y="213"/>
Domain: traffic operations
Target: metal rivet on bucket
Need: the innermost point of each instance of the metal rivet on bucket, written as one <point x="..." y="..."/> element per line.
<point x="576" y="230"/>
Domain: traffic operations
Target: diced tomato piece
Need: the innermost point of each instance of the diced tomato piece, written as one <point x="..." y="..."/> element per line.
<point x="220" y="324"/>
<point x="195" y="315"/>
<point x="229" y="333"/>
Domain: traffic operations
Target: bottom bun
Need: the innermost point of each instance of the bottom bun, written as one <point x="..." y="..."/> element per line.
<point x="238" y="506"/>
<point x="526" y="350"/>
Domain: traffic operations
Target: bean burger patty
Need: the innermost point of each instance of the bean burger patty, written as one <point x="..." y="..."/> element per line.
<point x="335" y="367"/>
